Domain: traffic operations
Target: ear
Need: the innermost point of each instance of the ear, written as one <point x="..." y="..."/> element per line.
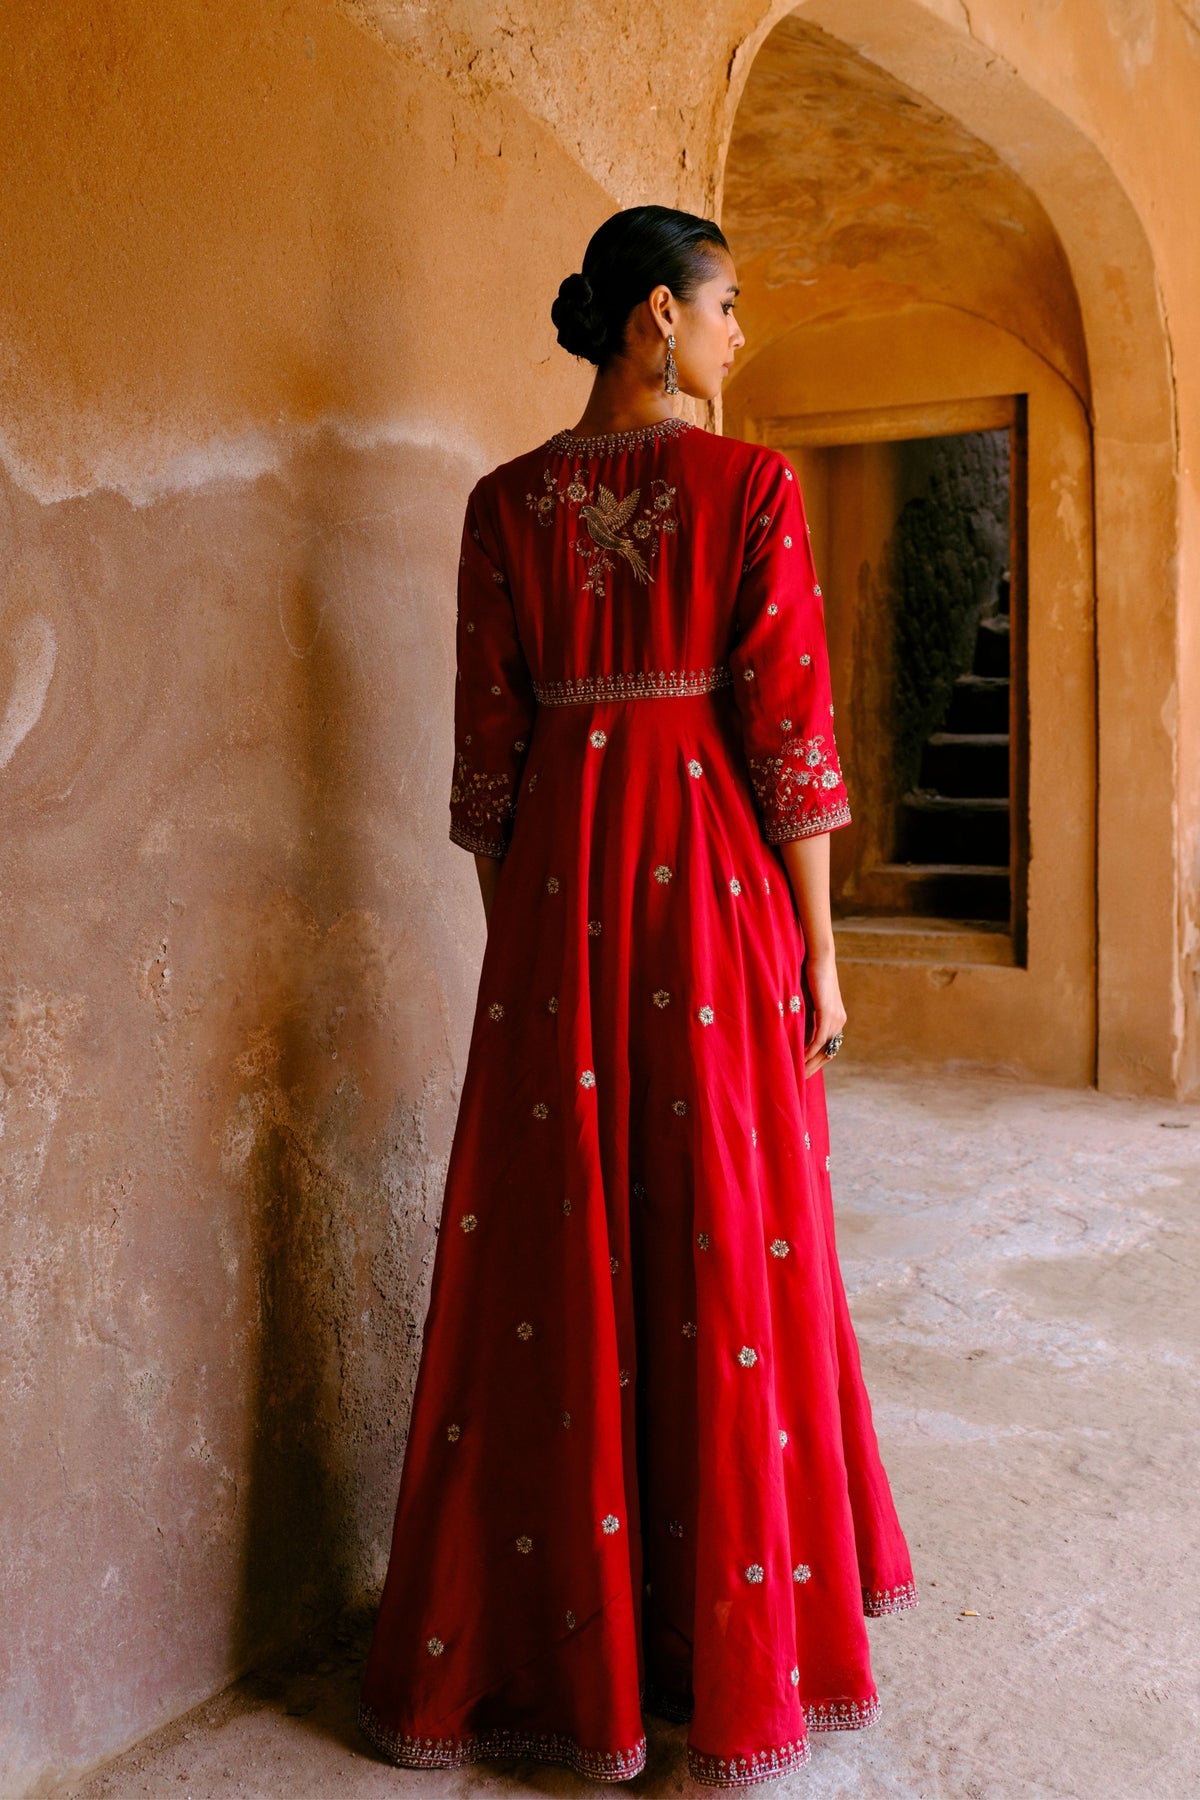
<point x="664" y="309"/>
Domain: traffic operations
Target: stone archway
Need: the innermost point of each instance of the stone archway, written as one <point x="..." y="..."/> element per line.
<point x="1121" y="371"/>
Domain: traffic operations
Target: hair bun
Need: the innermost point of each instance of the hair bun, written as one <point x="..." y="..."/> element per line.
<point x="580" y="323"/>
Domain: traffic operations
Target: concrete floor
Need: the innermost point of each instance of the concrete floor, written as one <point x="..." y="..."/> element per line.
<point x="1022" y="1267"/>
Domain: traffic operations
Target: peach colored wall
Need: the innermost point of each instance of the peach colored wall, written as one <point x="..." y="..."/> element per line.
<point x="273" y="296"/>
<point x="274" y="291"/>
<point x="1038" y="1020"/>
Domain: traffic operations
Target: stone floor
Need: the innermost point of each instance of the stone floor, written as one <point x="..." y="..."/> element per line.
<point x="1022" y="1264"/>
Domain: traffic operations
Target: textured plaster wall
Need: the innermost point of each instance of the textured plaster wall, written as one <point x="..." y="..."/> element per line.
<point x="274" y="292"/>
<point x="273" y="296"/>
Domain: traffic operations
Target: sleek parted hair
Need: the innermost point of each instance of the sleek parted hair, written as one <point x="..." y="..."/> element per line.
<point x="632" y="253"/>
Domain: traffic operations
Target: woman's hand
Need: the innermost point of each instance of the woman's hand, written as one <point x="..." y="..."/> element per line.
<point x="807" y="862"/>
<point x="826" y="1014"/>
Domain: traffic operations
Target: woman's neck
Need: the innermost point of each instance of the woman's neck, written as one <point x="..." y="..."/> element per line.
<point x="624" y="398"/>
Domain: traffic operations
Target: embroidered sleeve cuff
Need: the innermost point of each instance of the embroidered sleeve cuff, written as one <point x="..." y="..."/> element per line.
<point x="786" y="831"/>
<point x="471" y="839"/>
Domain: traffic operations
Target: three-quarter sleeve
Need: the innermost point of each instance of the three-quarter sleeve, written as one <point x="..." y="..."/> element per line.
<point x="494" y="702"/>
<point x="780" y="664"/>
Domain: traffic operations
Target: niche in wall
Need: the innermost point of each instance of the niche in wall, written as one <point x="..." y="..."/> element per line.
<point x="918" y="524"/>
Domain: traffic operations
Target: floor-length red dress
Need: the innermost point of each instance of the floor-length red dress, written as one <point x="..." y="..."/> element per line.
<point x="641" y="1470"/>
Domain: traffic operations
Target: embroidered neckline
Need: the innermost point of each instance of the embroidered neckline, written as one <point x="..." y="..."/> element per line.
<point x="619" y="440"/>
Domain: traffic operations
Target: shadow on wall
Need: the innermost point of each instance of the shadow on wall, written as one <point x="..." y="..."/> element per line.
<point x="341" y="1184"/>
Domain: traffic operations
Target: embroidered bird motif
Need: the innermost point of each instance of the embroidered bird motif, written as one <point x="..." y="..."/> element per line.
<point x="606" y="522"/>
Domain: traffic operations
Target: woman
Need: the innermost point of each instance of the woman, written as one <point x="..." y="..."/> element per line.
<point x="641" y="1469"/>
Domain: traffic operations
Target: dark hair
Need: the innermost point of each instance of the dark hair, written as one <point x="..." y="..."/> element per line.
<point x="630" y="254"/>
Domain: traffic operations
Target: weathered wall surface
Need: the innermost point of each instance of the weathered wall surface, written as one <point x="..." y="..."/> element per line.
<point x="273" y="296"/>
<point x="274" y="291"/>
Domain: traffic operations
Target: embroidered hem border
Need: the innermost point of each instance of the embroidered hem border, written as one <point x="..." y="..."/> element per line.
<point x="744" y="1771"/>
<point x="819" y="1715"/>
<point x="881" y="1601"/>
<point x="470" y="839"/>
<point x="640" y="684"/>
<point x="541" y="1746"/>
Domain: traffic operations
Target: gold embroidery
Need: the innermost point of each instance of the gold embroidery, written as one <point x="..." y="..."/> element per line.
<point x="468" y="1221"/>
<point x="610" y="1523"/>
<point x="525" y="1330"/>
<point x="706" y="1015"/>
<point x="755" y="1572"/>
<point x="524" y="1545"/>
<point x="662" y="997"/>
<point x="453" y="1433"/>
<point x="495" y="1010"/>
<point x="636" y="684"/>
<point x="780" y="1247"/>
<point x="601" y="442"/>
<point x="606" y="518"/>
<point x="543" y="1746"/>
<point x="434" y="1645"/>
<point x="802" y="1573"/>
<point x="663" y="873"/>
<point x="747" y="1357"/>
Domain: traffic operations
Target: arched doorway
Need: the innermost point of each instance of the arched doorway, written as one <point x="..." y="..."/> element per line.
<point x="904" y="285"/>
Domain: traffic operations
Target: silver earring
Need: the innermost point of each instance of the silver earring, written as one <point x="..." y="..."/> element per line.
<point x="670" y="379"/>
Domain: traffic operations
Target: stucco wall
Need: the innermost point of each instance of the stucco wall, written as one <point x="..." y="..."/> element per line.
<point x="274" y="291"/>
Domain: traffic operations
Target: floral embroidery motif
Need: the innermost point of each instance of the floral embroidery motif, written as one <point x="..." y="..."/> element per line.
<point x="552" y="1003"/>
<point x="598" y="739"/>
<point x="780" y="1247"/>
<point x="468" y="1221"/>
<point x="754" y="1572"/>
<point x="570" y="1621"/>
<point x="662" y="997"/>
<point x="434" y="1645"/>
<point x="540" y="1110"/>
<point x="689" y="1328"/>
<point x="618" y="529"/>
<point x="662" y="874"/>
<point x="610" y="1523"/>
<point x="807" y="1141"/>
<point x="524" y="1545"/>
<point x="795" y="1003"/>
<point x="783" y="1440"/>
<point x="566" y="1419"/>
<point x="566" y="1206"/>
<point x="787" y="543"/>
<point x="679" y="1108"/>
<point x="703" y="1239"/>
<point x="552" y="884"/>
<point x="675" y="1528"/>
<point x="794" y="1678"/>
<point x="735" y="886"/>
<point x="525" y="1330"/>
<point x="747" y="1357"/>
<point x="772" y="608"/>
<point x="495" y="1010"/>
<point x="588" y="1078"/>
<point x="764" y="519"/>
<point x="754" y="1130"/>
<point x="624" y="1378"/>
<point x="706" y="1015"/>
<point x="694" y="769"/>
<point x="640" y="684"/>
<point x="801" y="1573"/>
<point x="613" y="1265"/>
<point x="453" y="1433"/>
<point x="826" y="1162"/>
<point x="593" y="928"/>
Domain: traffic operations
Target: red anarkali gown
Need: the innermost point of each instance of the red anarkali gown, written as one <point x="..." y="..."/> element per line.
<point x="641" y="1470"/>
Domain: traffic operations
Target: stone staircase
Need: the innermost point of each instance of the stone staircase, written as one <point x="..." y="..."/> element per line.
<point x="952" y="829"/>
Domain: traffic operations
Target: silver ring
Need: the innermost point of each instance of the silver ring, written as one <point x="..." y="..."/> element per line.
<point x="834" y="1044"/>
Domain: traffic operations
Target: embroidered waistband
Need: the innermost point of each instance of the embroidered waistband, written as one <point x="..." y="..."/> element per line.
<point x="642" y="684"/>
